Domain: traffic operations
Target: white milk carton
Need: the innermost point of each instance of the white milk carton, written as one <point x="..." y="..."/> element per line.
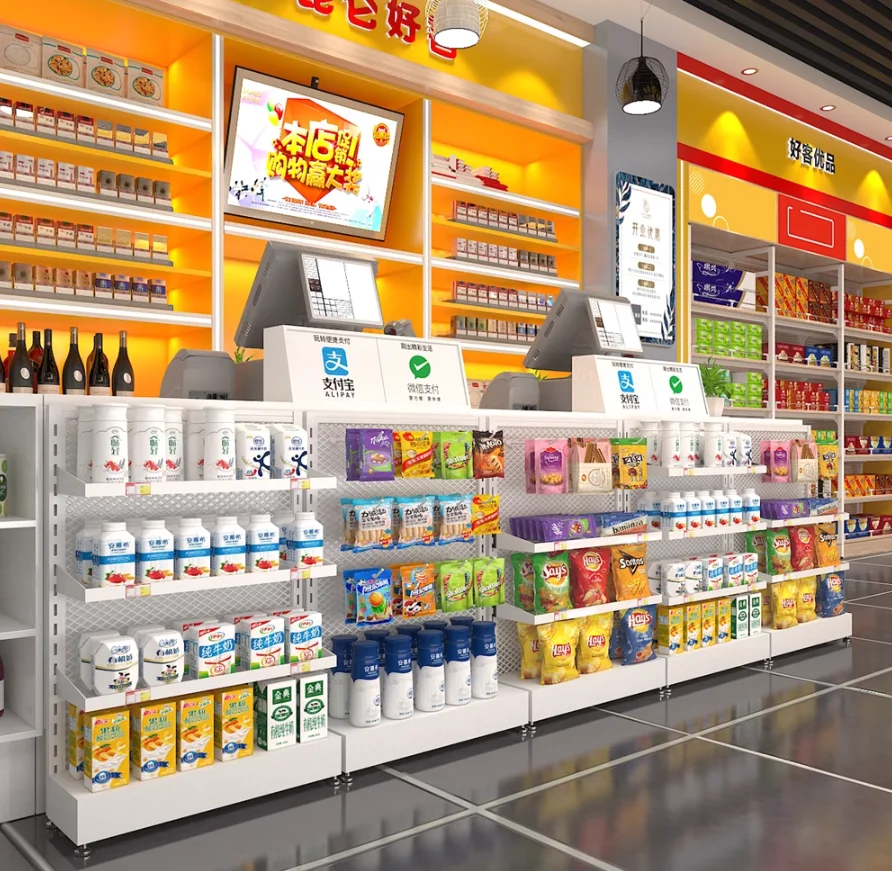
<point x="115" y="666"/>
<point x="289" y="451"/>
<point x="693" y="576"/>
<point x="88" y="642"/>
<point x="184" y="626"/>
<point x="733" y="570"/>
<point x="713" y="573"/>
<point x="303" y="634"/>
<point x="673" y="580"/>
<point x="755" y="625"/>
<point x="750" y="568"/>
<point x="312" y="707"/>
<point x="161" y="658"/>
<point x="211" y="649"/>
<point x="252" y="451"/>
<point x="275" y="713"/>
<point x="261" y="642"/>
<point x="235" y="619"/>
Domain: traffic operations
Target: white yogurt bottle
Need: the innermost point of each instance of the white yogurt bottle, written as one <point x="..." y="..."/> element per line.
<point x="305" y="542"/>
<point x="693" y="510"/>
<point x="674" y="512"/>
<point x="365" y="690"/>
<point x="161" y="657"/>
<point x="722" y="511"/>
<point x="698" y="445"/>
<point x="735" y="510"/>
<point x="194" y="446"/>
<point x="744" y="449"/>
<point x="115" y="664"/>
<point x="252" y="452"/>
<point x="399" y="692"/>
<point x="83" y="551"/>
<point x="341" y="678"/>
<point x="85" y="444"/>
<point x="154" y="553"/>
<point x="289" y="451"/>
<point x="484" y="661"/>
<point x="192" y="550"/>
<point x="649" y="502"/>
<point x="173" y="438"/>
<point x="228" y="548"/>
<point x="219" y="444"/>
<point x="263" y="544"/>
<point x="283" y="519"/>
<point x="688" y="444"/>
<point x="429" y="673"/>
<point x="729" y="449"/>
<point x="457" y="647"/>
<point x="114" y="556"/>
<point x="752" y="507"/>
<point x="148" y="443"/>
<point x="670" y="445"/>
<point x="87" y="643"/>
<point x="650" y="430"/>
<point x="707" y="509"/>
<point x="110" y="445"/>
<point x="713" y="447"/>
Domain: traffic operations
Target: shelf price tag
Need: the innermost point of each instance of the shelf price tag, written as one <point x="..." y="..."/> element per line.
<point x="300" y="574"/>
<point x="137" y="489"/>
<point x="300" y="483"/>
<point x="301" y="667"/>
<point x="134" y="698"/>
<point x="137" y="591"/>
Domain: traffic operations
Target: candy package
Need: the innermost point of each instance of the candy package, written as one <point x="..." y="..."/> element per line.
<point x="530" y="661"/>
<point x="783" y="604"/>
<point x="617" y="638"/>
<point x="418" y="590"/>
<point x="489" y="454"/>
<point x="589" y="571"/>
<point x="629" y="463"/>
<point x="416" y="520"/>
<point x="547" y="467"/>
<point x="452" y="455"/>
<point x="557" y="646"/>
<point x="413" y="454"/>
<point x="831" y="594"/>
<point x="369" y="454"/>
<point x="629" y="572"/>
<point x="805" y="599"/>
<point x="489" y="581"/>
<point x="594" y="643"/>
<point x="638" y="634"/>
<point x="802" y="544"/>
<point x="778" y="551"/>
<point x="828" y="459"/>
<point x="485" y="515"/>
<point x="551" y="574"/>
<point x="453" y="518"/>
<point x="456" y="585"/>
<point x="826" y="547"/>
<point x="373" y="596"/>
<point x="524" y="581"/>
<point x="374" y="524"/>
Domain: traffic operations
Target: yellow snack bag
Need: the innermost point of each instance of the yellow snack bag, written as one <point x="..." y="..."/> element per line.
<point x="805" y="599"/>
<point x="826" y="547"/>
<point x="485" y="514"/>
<point x="530" y="661"/>
<point x="766" y="607"/>
<point x="413" y="454"/>
<point x="783" y="604"/>
<point x="708" y="623"/>
<point x="557" y="645"/>
<point x="594" y="643"/>
<point x="828" y="460"/>
<point x="692" y="626"/>
<point x="670" y="629"/>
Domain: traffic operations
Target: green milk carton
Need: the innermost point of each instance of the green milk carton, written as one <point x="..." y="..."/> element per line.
<point x="275" y="713"/>
<point x="755" y="613"/>
<point x="312" y="704"/>
<point x="740" y="617"/>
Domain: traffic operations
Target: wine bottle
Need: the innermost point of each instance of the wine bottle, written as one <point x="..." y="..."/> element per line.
<point x="21" y="369"/>
<point x="123" y="382"/>
<point x="98" y="378"/>
<point x="35" y="352"/>
<point x="48" y="380"/>
<point x="9" y="355"/>
<point x="74" y="377"/>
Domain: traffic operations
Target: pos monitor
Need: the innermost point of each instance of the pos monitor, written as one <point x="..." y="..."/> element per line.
<point x="303" y="288"/>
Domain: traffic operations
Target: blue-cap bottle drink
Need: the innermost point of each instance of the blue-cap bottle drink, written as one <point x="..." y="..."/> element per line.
<point x="365" y="691"/>
<point x="430" y="679"/>
<point x="378" y="635"/>
<point x="341" y="677"/>
<point x="484" y="664"/>
<point x="398" y="690"/>
<point x="412" y="633"/>
<point x="458" y="665"/>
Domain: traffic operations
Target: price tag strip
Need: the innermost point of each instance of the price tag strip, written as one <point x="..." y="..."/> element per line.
<point x="137" y="489"/>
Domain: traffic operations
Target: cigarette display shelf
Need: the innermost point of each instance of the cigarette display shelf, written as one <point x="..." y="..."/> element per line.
<point x="733" y="364"/>
<point x="806" y="521"/>
<point x="805" y="573"/>
<point x="464" y="305"/>
<point x="526" y="276"/>
<point x="529" y="242"/>
<point x="805" y="372"/>
<point x="867" y="417"/>
<point x="806" y="414"/>
<point x="868" y="458"/>
<point x="506" y="541"/>
<point x="726" y="312"/>
<point x="705" y="595"/>
<point x="484" y="194"/>
<point x="744" y="411"/>
<point x="518" y="615"/>
<point x="703" y="471"/>
<point x="677" y="534"/>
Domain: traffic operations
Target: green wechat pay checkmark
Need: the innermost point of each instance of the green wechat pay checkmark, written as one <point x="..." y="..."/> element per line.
<point x="420" y="366"/>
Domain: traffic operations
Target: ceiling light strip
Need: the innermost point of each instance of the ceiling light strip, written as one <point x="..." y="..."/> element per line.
<point x="537" y="25"/>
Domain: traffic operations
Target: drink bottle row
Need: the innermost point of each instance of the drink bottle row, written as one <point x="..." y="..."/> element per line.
<point x="35" y="370"/>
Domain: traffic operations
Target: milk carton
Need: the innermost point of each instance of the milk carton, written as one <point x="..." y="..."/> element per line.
<point x="161" y="658"/>
<point x="195" y="732"/>
<point x="211" y="649"/>
<point x="693" y="576"/>
<point x="303" y="634"/>
<point x="235" y="619"/>
<point x="733" y="570"/>
<point x="252" y="451"/>
<point x="88" y="642"/>
<point x="233" y="724"/>
<point x="740" y="617"/>
<point x="115" y="666"/>
<point x="755" y="613"/>
<point x="184" y="626"/>
<point x="106" y="750"/>
<point x="289" y="446"/>
<point x="708" y="623"/>
<point x="750" y="568"/>
<point x="74" y="726"/>
<point x="713" y="573"/>
<point x="692" y="626"/>
<point x="312" y="705"/>
<point x="275" y="711"/>
<point x="722" y="621"/>
<point x="153" y="740"/>
<point x="672" y="577"/>
<point x="670" y="630"/>
<point x="261" y="642"/>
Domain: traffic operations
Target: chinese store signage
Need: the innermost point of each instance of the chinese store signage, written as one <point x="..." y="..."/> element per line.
<point x="811" y="155"/>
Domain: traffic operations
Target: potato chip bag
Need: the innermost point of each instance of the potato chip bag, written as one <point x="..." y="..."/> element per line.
<point x="557" y="646"/>
<point x="783" y="604"/>
<point x="551" y="575"/>
<point x="802" y="544"/>
<point x="766" y="607"/>
<point x="418" y="591"/>
<point x="826" y="547"/>
<point x="755" y="543"/>
<point x="413" y="454"/>
<point x="831" y="593"/>
<point x="524" y="585"/>
<point x="629" y="572"/>
<point x="485" y="515"/>
<point x="617" y="638"/>
<point x="489" y="454"/>
<point x="778" y="552"/>
<point x="374" y="596"/>
<point x="456" y="587"/>
<point x="589" y="570"/>
<point x="805" y="599"/>
<point x="594" y="643"/>
<point x="530" y="661"/>
<point x="489" y="581"/>
<point x="452" y="455"/>
<point x="638" y="639"/>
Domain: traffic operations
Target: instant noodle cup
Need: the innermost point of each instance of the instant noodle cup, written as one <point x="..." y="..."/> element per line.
<point x="805" y="599"/>
<point x="629" y="572"/>
<point x="693" y="626"/>
<point x="831" y="593"/>
<point x="594" y="643"/>
<point x="826" y="547"/>
<point x="530" y="661"/>
<point x="670" y="629"/>
<point x="551" y="575"/>
<point x="778" y="552"/>
<point x="589" y="571"/>
<point x="413" y="454"/>
<point x="557" y="646"/>
<point x="802" y="543"/>
<point x="638" y="641"/>
<point x="784" y="596"/>
<point x="524" y="583"/>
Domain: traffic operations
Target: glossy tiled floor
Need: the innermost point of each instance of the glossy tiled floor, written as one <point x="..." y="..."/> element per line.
<point x="749" y="770"/>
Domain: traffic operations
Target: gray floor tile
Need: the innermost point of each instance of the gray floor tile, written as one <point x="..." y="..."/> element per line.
<point x="10" y="858"/>
<point x="274" y="834"/>
<point x="882" y="683"/>
<point x="881" y="574"/>
<point x="698" y="806"/>
<point x="872" y="623"/>
<point x="882" y="601"/>
<point x="841" y="732"/>
<point x="715" y="700"/>
<point x="836" y="663"/>
<point x="856" y="589"/>
<point x="492" y="768"/>
<point x="470" y="844"/>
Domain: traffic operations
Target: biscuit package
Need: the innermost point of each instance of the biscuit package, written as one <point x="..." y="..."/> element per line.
<point x="594" y="643"/>
<point x="413" y="454"/>
<point x="638" y="634"/>
<point x="547" y="465"/>
<point x="831" y="594"/>
<point x="784" y="597"/>
<point x="778" y="552"/>
<point x="551" y="575"/>
<point x="524" y="583"/>
<point x="557" y="647"/>
<point x="453" y="518"/>
<point x="826" y="547"/>
<point x="452" y="455"/>
<point x="530" y="665"/>
<point x="485" y="514"/>
<point x="629" y="572"/>
<point x="802" y="543"/>
<point x="805" y="599"/>
<point x="629" y="463"/>
<point x="488" y="454"/>
<point x="589" y="572"/>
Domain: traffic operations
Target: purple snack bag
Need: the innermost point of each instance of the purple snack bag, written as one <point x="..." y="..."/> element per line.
<point x="369" y="455"/>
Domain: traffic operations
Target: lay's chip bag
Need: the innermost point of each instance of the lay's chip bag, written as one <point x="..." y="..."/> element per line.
<point x="783" y="604"/>
<point x="805" y="599"/>
<point x="638" y="642"/>
<point x="530" y="661"/>
<point x="551" y="575"/>
<point x="831" y="591"/>
<point x="557" y="647"/>
<point x="524" y="586"/>
<point x="594" y="643"/>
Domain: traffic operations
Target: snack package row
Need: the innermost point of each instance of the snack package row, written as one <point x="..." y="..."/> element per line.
<point x="581" y="465"/>
<point x="388" y="522"/>
<point x="375" y="454"/>
<point x="793" y="460"/>
<point x="805" y="599"/>
<point x="784" y="509"/>
<point x="569" y="527"/>
<point x="795" y="549"/>
<point x="375" y="596"/>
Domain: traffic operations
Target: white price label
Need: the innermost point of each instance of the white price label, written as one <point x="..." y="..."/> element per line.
<point x="137" y="591"/>
<point x="137" y="489"/>
<point x="300" y="574"/>
<point x="300" y="667"/>
<point x="300" y="483"/>
<point x="136" y="697"/>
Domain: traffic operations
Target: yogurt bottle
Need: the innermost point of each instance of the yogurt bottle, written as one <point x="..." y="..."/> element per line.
<point x="729" y="449"/>
<point x="484" y="661"/>
<point x="289" y="446"/>
<point x="735" y="510"/>
<point x="83" y="551"/>
<point x="688" y="442"/>
<point x="670" y="445"/>
<point x="722" y="511"/>
<point x="399" y="695"/>
<point x="194" y="445"/>
<point x="458" y="665"/>
<point x="752" y="507"/>
<point x="87" y="643"/>
<point x="148" y="443"/>
<point x="219" y="444"/>
<point x="365" y="689"/>
<point x="228" y="548"/>
<point x="674" y="512"/>
<point x="305" y="543"/>
<point x="650" y="430"/>
<point x="649" y="502"/>
<point x="110" y="444"/>
<point x="263" y="544"/>
<point x="713" y="446"/>
<point x="154" y="553"/>
<point x="173" y="437"/>
<point x="707" y="510"/>
<point x="693" y="510"/>
<point x="115" y="664"/>
<point x="252" y="451"/>
<point x="192" y="546"/>
<point x="745" y="449"/>
<point x="430" y="677"/>
<point x="341" y="678"/>
<point x="283" y="519"/>
<point x="114" y="556"/>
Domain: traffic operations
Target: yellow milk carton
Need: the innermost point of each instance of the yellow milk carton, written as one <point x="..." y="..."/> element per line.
<point x="707" y="623"/>
<point x="723" y="621"/>
<point x="106" y="750"/>
<point x="153" y="740"/>
<point x="195" y="732"/>
<point x="692" y="626"/>
<point x="670" y="629"/>
<point x="75" y="736"/>
<point x="233" y="723"/>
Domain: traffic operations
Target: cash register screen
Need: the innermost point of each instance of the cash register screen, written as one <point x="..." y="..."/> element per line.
<point x="341" y="290"/>
<point x="615" y="327"/>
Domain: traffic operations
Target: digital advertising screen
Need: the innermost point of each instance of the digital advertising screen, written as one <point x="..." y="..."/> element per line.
<point x="297" y="155"/>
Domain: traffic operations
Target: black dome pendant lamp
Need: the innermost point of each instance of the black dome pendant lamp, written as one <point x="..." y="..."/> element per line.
<point x="642" y="84"/>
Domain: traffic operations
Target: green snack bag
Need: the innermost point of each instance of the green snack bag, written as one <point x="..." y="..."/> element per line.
<point x="755" y="543"/>
<point x="524" y="586"/>
<point x="489" y="581"/>
<point x="778" y="552"/>
<point x="551" y="576"/>
<point x="456" y="585"/>
<point x="452" y="455"/>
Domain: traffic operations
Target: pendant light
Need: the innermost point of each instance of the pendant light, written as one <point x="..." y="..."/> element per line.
<point x="456" y="23"/>
<point x="642" y="84"/>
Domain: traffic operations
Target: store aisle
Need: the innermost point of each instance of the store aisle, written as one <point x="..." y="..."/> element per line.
<point x="760" y="771"/>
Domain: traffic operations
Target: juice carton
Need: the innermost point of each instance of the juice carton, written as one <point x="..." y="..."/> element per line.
<point x="755" y="613"/>
<point x="75" y="736"/>
<point x="723" y="621"/>
<point x="312" y="703"/>
<point x="275" y="710"/>
<point x="692" y="626"/>
<point x="233" y="723"/>
<point x="262" y="642"/>
<point x="670" y="629"/>
<point x="708" y="623"/>
<point x="740" y="617"/>
<point x="303" y="634"/>
<point x="195" y="732"/>
<point x="106" y="750"/>
<point x="210" y="649"/>
<point x="153" y="740"/>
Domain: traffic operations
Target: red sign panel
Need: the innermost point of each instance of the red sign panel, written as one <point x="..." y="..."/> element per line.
<point x="811" y="228"/>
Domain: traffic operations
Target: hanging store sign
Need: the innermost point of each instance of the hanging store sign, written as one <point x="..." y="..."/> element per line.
<point x="809" y="227"/>
<point x="811" y="155"/>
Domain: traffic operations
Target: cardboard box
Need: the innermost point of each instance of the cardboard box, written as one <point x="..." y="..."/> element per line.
<point x="65" y="125"/>
<point x="139" y="289"/>
<point x="46" y="120"/>
<point x="142" y="141"/>
<point x="123" y="242"/>
<point x="106" y="739"/>
<point x="5" y="274"/>
<point x="66" y="176"/>
<point x="23" y="229"/>
<point x="105" y="240"/>
<point x="105" y="133"/>
<point x="159" y="144"/>
<point x="692" y="626"/>
<point x="7" y="164"/>
<point x="23" y="116"/>
<point x="85" y="130"/>
<point x="153" y="740"/>
<point x="106" y="73"/>
<point x="25" y="168"/>
<point x="159" y="247"/>
<point x="123" y="137"/>
<point x="85" y="238"/>
<point x="106" y="183"/>
<point x="103" y="287"/>
<point x="670" y="630"/>
<point x="86" y="180"/>
<point x="20" y="51"/>
<point x="43" y="279"/>
<point x="23" y="276"/>
<point x="158" y="291"/>
<point x="63" y="281"/>
<point x="233" y="723"/>
<point x="723" y="621"/>
<point x="83" y="283"/>
<point x="63" y="62"/>
<point x="45" y="231"/>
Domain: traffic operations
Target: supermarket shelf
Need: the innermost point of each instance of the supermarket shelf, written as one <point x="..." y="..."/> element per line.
<point x="805" y="414"/>
<point x="141" y="110"/>
<point x="513" y="238"/>
<point x="53" y="197"/>
<point x="482" y="192"/>
<point x="727" y="312"/>
<point x="518" y="615"/>
<point x="805" y="327"/>
<point x="88" y="817"/>
<point x="867" y="458"/>
<point x="867" y="417"/>
<point x="458" y="305"/>
<point x="424" y="732"/>
<point x="859" y="375"/>
<point x="805" y="573"/>
<point x="870" y="546"/>
<point x="806" y="521"/>
<point x="68" y="485"/>
<point x="735" y="411"/>
<point x="695" y="664"/>
<point x="723" y="593"/>
<point x="867" y="335"/>
<point x="804" y="635"/>
<point x="13" y="728"/>
<point x="72" y="692"/>
<point x="703" y="471"/>
<point x="491" y="346"/>
<point x="17" y="523"/>
<point x="673" y="535"/>
<point x="11" y="628"/>
<point x="733" y="364"/>
<point x="879" y="497"/>
<point x="506" y="541"/>
<point x="804" y="371"/>
<point x="70" y="586"/>
<point x="525" y="276"/>
<point x="587" y="690"/>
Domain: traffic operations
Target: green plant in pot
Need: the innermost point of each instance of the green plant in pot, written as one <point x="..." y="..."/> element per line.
<point x="715" y="386"/>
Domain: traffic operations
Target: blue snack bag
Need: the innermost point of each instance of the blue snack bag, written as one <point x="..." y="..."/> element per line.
<point x="831" y="594"/>
<point x="638" y="634"/>
<point x="350" y="596"/>
<point x="617" y="638"/>
<point x="374" y="596"/>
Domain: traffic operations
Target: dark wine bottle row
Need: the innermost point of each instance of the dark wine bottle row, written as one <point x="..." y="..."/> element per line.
<point x="36" y="370"/>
